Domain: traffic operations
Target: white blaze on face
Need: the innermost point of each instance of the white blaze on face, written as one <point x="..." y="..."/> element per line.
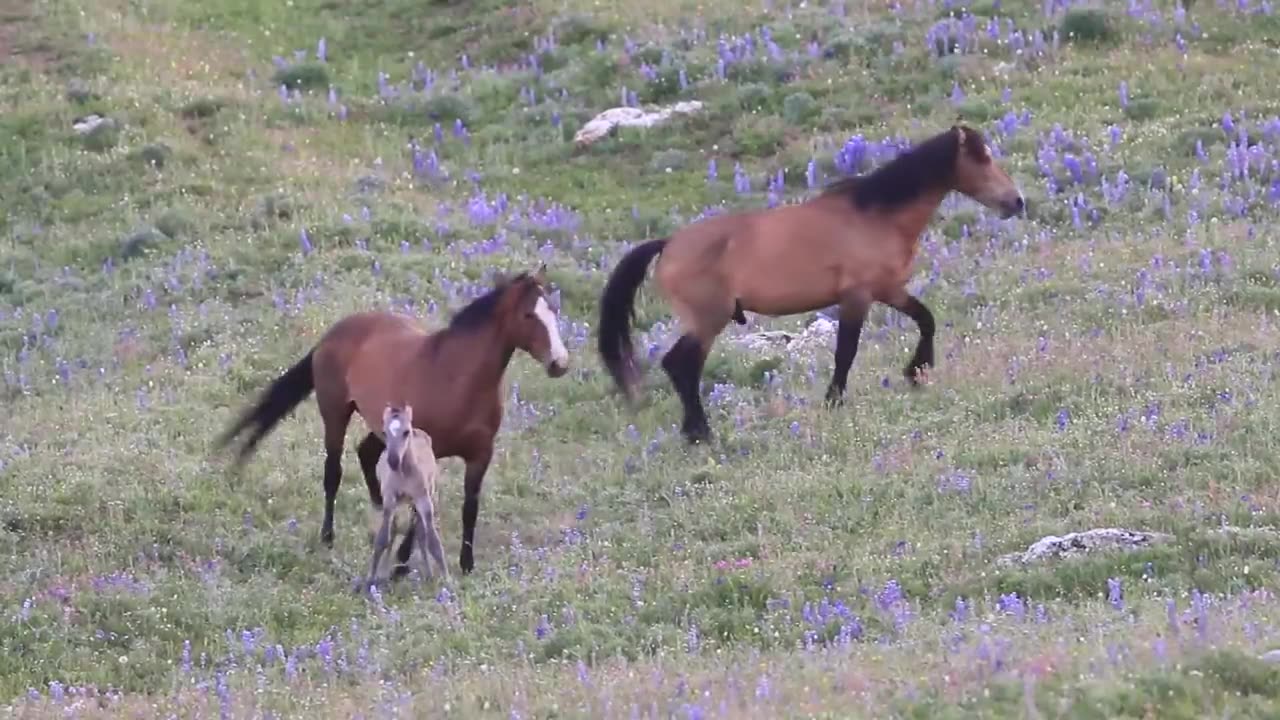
<point x="559" y="355"/>
<point x="393" y="427"/>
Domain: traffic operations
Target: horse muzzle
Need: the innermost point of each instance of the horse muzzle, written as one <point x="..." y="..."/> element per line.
<point x="557" y="369"/>
<point x="1012" y="206"/>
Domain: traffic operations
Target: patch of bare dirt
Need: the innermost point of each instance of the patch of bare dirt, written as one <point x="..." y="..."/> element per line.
<point x="20" y="37"/>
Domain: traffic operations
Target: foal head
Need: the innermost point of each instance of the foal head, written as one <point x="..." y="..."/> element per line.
<point x="397" y="429"/>
<point x="978" y="176"/>
<point x="529" y="322"/>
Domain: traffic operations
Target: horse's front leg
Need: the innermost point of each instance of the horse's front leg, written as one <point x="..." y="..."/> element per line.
<point x="477" y="466"/>
<point x="922" y="358"/>
<point x="853" y="313"/>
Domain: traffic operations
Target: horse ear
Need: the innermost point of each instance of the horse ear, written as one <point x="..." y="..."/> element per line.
<point x="499" y="278"/>
<point x="386" y="414"/>
<point x="540" y="275"/>
<point x="408" y="413"/>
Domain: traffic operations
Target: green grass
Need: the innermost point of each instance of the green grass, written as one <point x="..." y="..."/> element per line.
<point x="1111" y="365"/>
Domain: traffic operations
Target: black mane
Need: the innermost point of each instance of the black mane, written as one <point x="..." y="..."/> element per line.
<point x="924" y="167"/>
<point x="479" y="312"/>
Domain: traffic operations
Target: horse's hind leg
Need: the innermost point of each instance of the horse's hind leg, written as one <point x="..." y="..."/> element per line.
<point x="922" y="358"/>
<point x="335" y="431"/>
<point x="853" y="313"/>
<point x="685" y="360"/>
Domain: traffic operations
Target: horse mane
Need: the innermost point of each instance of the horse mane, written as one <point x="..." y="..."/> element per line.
<point x="478" y="312"/>
<point x="921" y="168"/>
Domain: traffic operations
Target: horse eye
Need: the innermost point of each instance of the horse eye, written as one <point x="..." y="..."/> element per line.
<point x="404" y="434"/>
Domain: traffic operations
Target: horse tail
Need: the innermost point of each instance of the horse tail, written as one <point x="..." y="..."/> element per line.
<point x="273" y="405"/>
<point x="617" y="309"/>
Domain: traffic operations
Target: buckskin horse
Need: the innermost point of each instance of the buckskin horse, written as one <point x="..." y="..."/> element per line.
<point x="451" y="377"/>
<point x="852" y="245"/>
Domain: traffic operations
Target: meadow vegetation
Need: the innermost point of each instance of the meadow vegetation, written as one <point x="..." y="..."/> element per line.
<point x="267" y="167"/>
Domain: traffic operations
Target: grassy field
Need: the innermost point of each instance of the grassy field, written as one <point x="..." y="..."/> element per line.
<point x="1107" y="360"/>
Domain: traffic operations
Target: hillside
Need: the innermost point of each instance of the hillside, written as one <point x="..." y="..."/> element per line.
<point x="259" y="170"/>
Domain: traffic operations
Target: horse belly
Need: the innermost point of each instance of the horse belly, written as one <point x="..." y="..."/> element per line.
<point x="783" y="270"/>
<point x="787" y="289"/>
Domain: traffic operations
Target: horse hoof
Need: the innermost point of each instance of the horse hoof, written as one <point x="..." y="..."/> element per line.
<point x="917" y="376"/>
<point x="834" y="400"/>
<point x="698" y="435"/>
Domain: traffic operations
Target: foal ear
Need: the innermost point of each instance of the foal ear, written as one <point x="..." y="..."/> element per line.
<point x="540" y="275"/>
<point x="407" y="411"/>
<point x="386" y="414"/>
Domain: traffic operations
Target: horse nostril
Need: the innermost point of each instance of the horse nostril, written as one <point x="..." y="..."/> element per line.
<point x="1019" y="203"/>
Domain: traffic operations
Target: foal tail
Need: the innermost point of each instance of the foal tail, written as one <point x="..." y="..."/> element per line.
<point x="617" y="308"/>
<point x="273" y="405"/>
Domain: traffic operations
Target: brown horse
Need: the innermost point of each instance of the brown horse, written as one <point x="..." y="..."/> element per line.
<point x="851" y="246"/>
<point x="451" y="377"/>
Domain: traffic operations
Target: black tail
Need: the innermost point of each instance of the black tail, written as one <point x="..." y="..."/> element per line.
<point x="274" y="404"/>
<point x="617" y="308"/>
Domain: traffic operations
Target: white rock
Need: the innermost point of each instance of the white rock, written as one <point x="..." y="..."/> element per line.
<point x="1083" y="543"/>
<point x="89" y="123"/>
<point x="820" y="334"/>
<point x="604" y="123"/>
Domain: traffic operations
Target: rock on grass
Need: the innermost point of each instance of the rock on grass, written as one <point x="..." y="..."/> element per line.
<point x="1079" y="544"/>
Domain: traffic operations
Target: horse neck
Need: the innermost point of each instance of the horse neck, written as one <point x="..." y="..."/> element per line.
<point x="912" y="219"/>
<point x="493" y="349"/>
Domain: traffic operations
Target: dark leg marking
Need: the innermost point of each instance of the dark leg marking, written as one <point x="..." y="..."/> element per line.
<point x="923" y="356"/>
<point x="406" y="548"/>
<point x="683" y="364"/>
<point x="738" y="315"/>
<point x="332" y="481"/>
<point x="852" y="316"/>
<point x="473" y="481"/>
<point x="369" y="450"/>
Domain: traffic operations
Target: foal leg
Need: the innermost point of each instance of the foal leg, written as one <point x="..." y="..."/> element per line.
<point x="369" y="451"/>
<point x="477" y="465"/>
<point x="380" y="543"/>
<point x="335" y="430"/>
<point x="853" y="313"/>
<point x="429" y="545"/>
<point x="922" y="358"/>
